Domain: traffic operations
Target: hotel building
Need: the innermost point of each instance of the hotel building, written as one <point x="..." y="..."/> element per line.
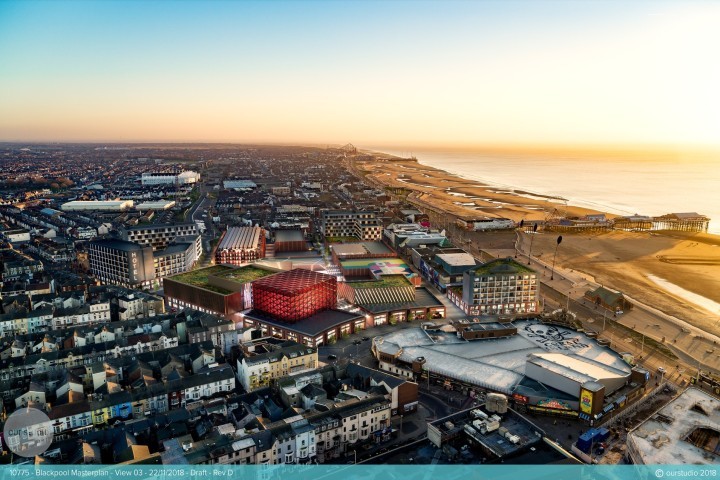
<point x="118" y="262"/>
<point x="501" y="286"/>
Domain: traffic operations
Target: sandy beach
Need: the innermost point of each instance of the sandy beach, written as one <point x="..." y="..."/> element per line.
<point x="633" y="262"/>
<point x="466" y="198"/>
<point x="645" y="266"/>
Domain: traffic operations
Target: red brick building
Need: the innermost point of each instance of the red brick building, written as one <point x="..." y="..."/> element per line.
<point x="240" y="245"/>
<point x="295" y="295"/>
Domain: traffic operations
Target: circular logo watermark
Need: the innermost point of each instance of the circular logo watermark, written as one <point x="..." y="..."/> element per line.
<point x="28" y="432"/>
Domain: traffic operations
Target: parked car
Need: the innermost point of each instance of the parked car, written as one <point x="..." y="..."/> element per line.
<point x="332" y="357"/>
<point x="365" y="339"/>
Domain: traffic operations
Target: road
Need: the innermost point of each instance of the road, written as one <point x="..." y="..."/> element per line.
<point x="200" y="208"/>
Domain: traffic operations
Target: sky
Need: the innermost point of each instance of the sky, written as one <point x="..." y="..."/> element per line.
<point x="421" y="73"/>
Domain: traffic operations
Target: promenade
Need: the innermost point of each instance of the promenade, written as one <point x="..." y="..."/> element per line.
<point x="693" y="347"/>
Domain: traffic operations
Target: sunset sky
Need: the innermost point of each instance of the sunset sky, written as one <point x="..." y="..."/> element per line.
<point x="370" y="73"/>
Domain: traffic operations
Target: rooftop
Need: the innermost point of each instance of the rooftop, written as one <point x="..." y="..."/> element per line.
<point x="245" y="274"/>
<point x="386" y="281"/>
<point x="241" y="238"/>
<point x="423" y="299"/>
<point x="685" y="431"/>
<point x="117" y="244"/>
<point x="199" y="278"/>
<point x="502" y="265"/>
<point x="293" y="281"/>
<point x="311" y="326"/>
<point x="457" y="259"/>
<point x="496" y="364"/>
<point x="289" y="236"/>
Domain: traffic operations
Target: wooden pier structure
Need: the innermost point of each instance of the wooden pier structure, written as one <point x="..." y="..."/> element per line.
<point x="682" y="222"/>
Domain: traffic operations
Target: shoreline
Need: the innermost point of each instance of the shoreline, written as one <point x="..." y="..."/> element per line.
<point x="619" y="259"/>
<point x="444" y="190"/>
<point x="463" y="169"/>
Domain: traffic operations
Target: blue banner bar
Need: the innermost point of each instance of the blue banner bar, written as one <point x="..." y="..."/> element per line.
<point x="352" y="472"/>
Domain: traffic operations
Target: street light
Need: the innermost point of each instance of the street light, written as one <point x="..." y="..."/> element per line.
<point x="552" y="273"/>
<point x="642" y="347"/>
<point x="531" y="242"/>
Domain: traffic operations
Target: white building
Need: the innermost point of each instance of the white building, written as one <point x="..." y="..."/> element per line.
<point x="185" y="178"/>
<point x="482" y="224"/>
<point x="86" y="314"/>
<point x="16" y="236"/>
<point x="158" y="205"/>
<point x="104" y="205"/>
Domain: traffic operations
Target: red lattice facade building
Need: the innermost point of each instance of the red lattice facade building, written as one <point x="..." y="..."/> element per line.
<point x="295" y="295"/>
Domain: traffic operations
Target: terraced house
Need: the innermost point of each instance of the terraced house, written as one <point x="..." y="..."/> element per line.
<point x="262" y="369"/>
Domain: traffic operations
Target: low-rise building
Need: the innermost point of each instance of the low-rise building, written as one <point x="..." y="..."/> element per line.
<point x="261" y="369"/>
<point x="101" y="205"/>
<point x="187" y="177"/>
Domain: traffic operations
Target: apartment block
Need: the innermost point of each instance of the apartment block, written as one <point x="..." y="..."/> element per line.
<point x="345" y="223"/>
<point x="500" y="286"/>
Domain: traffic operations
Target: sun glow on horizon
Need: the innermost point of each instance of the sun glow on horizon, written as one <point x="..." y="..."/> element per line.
<point x="394" y="73"/>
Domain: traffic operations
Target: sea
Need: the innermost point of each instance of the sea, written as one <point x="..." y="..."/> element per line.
<point x="629" y="183"/>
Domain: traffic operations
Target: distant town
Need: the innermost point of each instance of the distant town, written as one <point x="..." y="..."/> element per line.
<point x="262" y="305"/>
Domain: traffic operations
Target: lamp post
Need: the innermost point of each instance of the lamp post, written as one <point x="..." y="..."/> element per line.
<point x="642" y="347"/>
<point x="531" y="242"/>
<point x="552" y="272"/>
<point x="567" y="306"/>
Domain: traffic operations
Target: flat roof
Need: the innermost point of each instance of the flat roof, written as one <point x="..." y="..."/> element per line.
<point x="457" y="259"/>
<point x="245" y="274"/>
<point x="499" y="363"/>
<point x="423" y="299"/>
<point x="289" y="236"/>
<point x="385" y="281"/>
<point x="117" y="244"/>
<point x="474" y="327"/>
<point x="349" y="249"/>
<point x="311" y="326"/>
<point x="663" y="438"/>
<point x="377" y="248"/>
<point x="501" y="266"/>
<point x="199" y="278"/>
<point x="173" y="249"/>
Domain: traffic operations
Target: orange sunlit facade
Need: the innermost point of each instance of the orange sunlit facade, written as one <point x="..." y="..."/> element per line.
<point x="295" y="295"/>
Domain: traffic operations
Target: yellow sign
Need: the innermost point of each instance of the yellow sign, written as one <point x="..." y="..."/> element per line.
<point x="586" y="399"/>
